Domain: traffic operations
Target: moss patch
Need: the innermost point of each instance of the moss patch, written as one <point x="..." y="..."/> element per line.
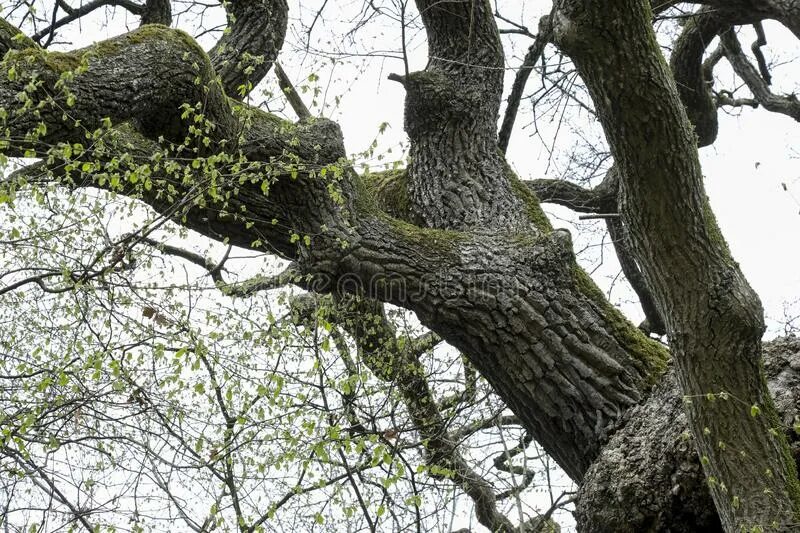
<point x="57" y="62"/>
<point x="436" y="240"/>
<point x="714" y="233"/>
<point x="650" y="357"/>
<point x="13" y="39"/>
<point x="532" y="207"/>
<point x="390" y="191"/>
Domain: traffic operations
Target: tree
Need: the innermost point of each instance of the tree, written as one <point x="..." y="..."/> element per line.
<point x="459" y="240"/>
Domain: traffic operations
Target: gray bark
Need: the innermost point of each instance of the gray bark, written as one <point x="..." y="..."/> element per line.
<point x="488" y="273"/>
<point x="714" y="319"/>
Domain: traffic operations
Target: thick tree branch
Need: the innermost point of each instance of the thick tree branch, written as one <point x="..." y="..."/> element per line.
<point x="580" y="199"/>
<point x="454" y="103"/>
<point x="686" y="61"/>
<point x="246" y="52"/>
<point x="285" y="188"/>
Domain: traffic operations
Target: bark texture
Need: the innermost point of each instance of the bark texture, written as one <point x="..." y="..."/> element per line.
<point x="714" y="319"/>
<point x="470" y="250"/>
<point x="541" y="332"/>
<point x="649" y="478"/>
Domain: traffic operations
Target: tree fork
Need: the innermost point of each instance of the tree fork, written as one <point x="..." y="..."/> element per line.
<point x="563" y="359"/>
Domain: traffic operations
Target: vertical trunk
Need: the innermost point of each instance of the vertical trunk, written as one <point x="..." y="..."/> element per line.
<point x="563" y="359"/>
<point x="714" y="319"/>
<point x="457" y="176"/>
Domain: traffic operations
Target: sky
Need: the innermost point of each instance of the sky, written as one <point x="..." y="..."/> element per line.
<point x="752" y="172"/>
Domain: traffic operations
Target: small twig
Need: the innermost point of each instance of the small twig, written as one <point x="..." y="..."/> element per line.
<point x="599" y="215"/>
<point x="518" y="28"/>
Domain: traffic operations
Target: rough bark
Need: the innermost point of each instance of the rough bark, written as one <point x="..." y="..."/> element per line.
<point x="567" y="363"/>
<point x="649" y="478"/>
<point x="457" y="175"/>
<point x="541" y="332"/>
<point x="713" y="317"/>
<point x="246" y="52"/>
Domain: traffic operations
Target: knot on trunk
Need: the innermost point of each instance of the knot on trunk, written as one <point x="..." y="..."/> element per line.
<point x="435" y="98"/>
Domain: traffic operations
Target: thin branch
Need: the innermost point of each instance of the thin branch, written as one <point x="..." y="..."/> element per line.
<point x="518" y="28"/>
<point x="761" y="40"/>
<point x="241" y="289"/>
<point x="787" y="105"/>
<point x="654" y="323"/>
<point x="85" y="9"/>
<point x="596" y="216"/>
<point x="291" y="94"/>
<point x="518" y="87"/>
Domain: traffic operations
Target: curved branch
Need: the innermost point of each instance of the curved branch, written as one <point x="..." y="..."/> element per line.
<point x="761" y="40"/>
<point x="787" y="12"/>
<point x="786" y="105"/>
<point x="247" y="50"/>
<point x="602" y="198"/>
<point x="687" y="66"/>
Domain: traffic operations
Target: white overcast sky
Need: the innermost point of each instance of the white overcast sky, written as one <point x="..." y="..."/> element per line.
<point x="746" y="169"/>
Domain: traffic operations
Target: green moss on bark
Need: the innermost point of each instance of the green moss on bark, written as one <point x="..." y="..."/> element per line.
<point x="13" y="39"/>
<point x="714" y="233"/>
<point x="62" y="62"/>
<point x="650" y="356"/>
<point x="532" y="207"/>
<point x="367" y="205"/>
<point x="389" y="188"/>
<point x="56" y="62"/>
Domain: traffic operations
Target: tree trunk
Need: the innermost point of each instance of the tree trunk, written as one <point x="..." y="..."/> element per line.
<point x="648" y="476"/>
<point x="714" y="319"/>
<point x="488" y="273"/>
